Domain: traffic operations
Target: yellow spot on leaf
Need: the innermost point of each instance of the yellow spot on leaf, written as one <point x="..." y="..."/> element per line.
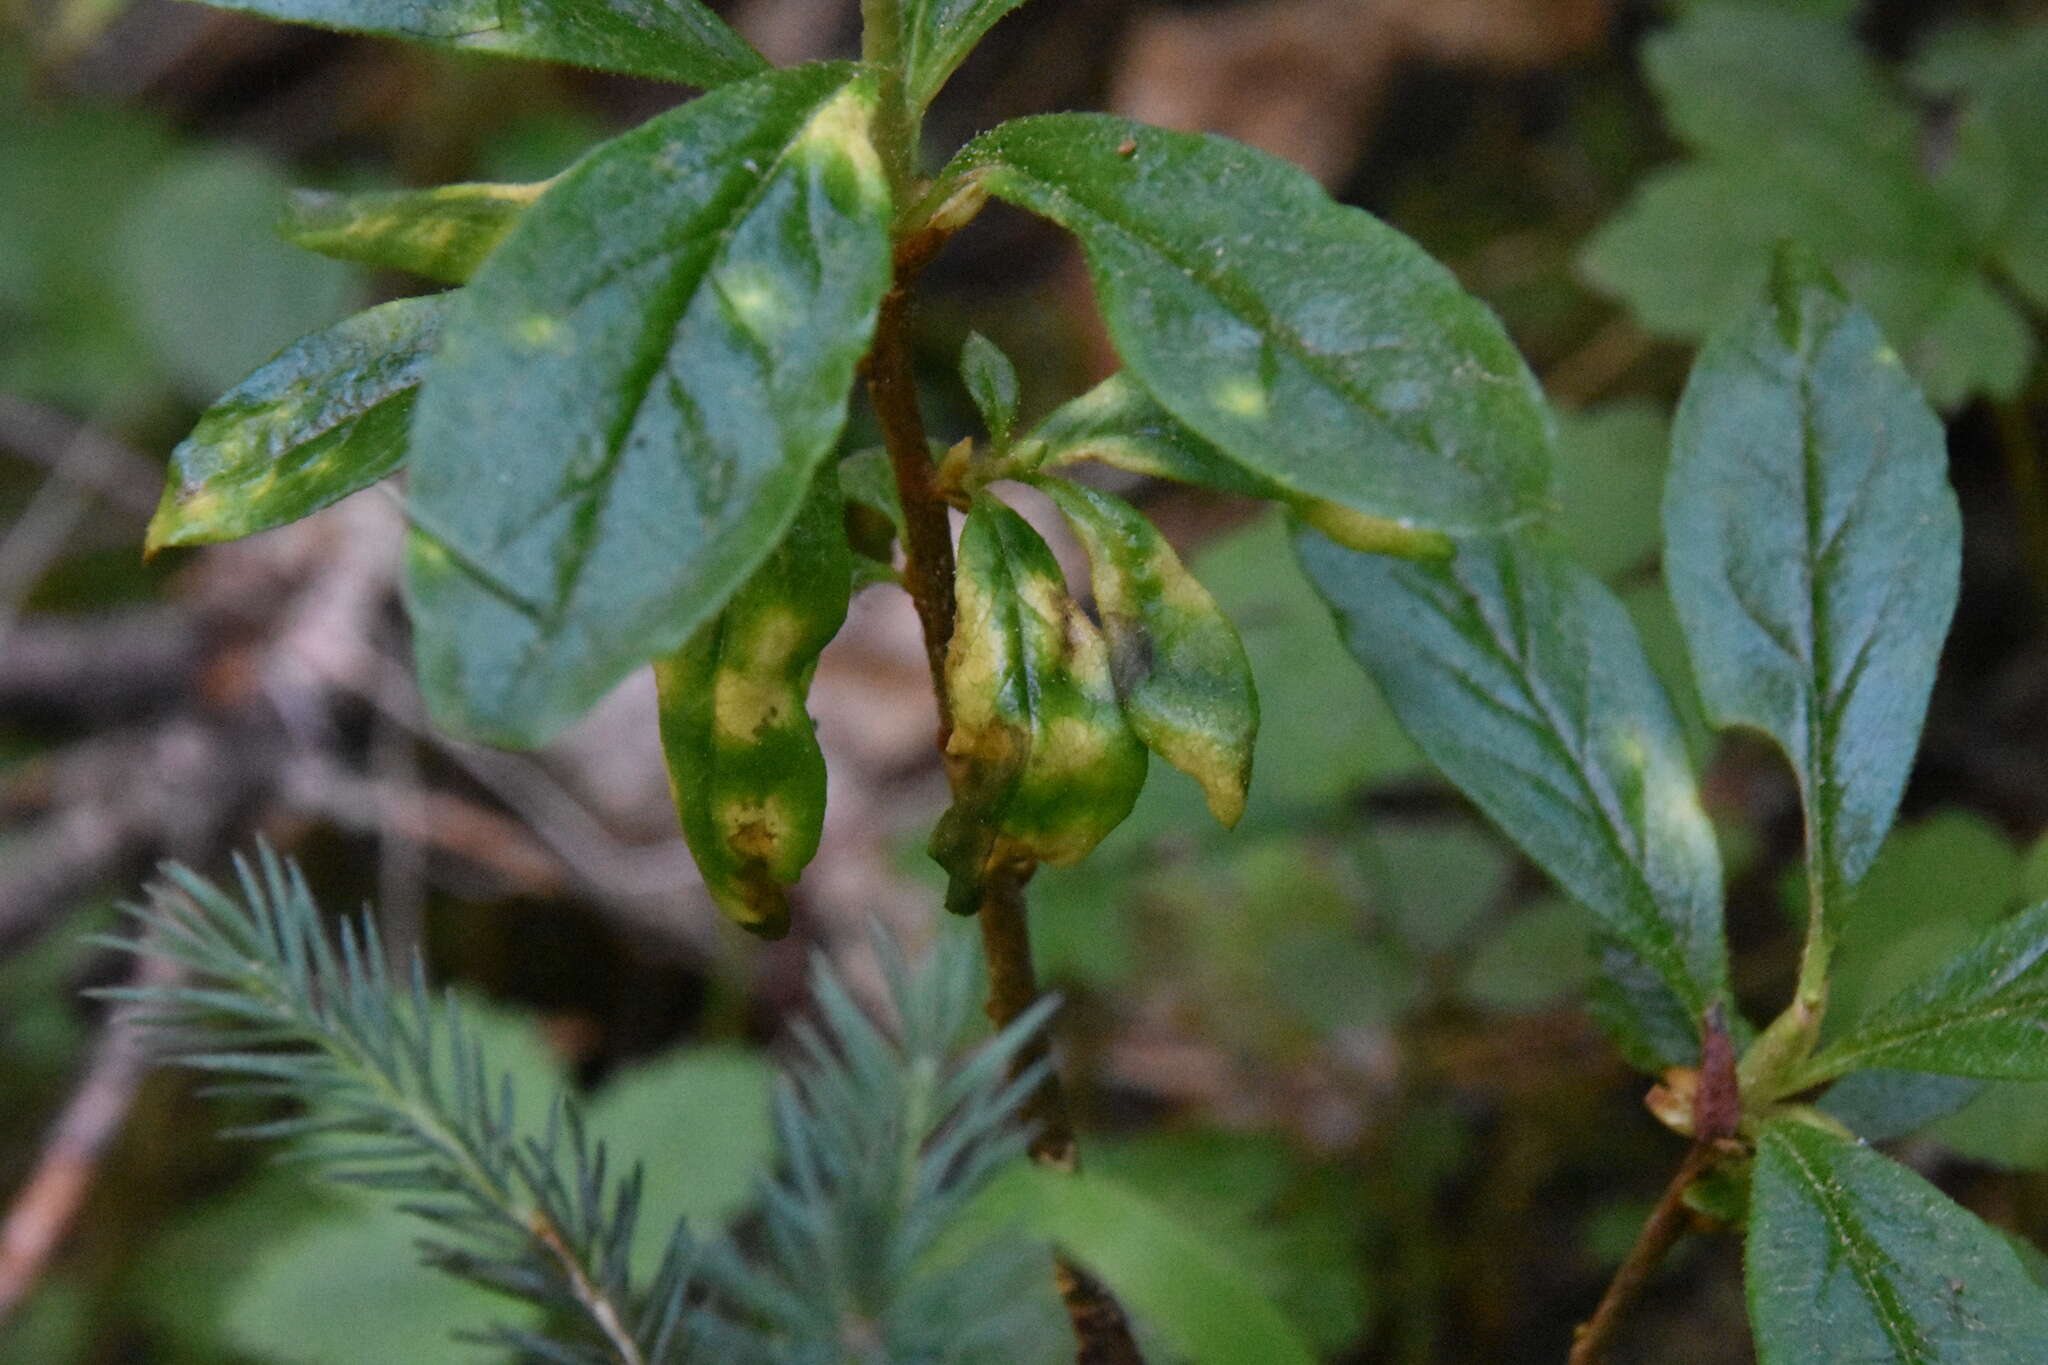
<point x="1241" y="398"/>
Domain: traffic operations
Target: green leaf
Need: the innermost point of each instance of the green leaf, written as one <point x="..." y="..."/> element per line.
<point x="1309" y="342"/>
<point x="1736" y="77"/>
<point x="1879" y="1106"/>
<point x="1853" y="1258"/>
<point x="1539" y="959"/>
<point x="1053" y="765"/>
<point x="1179" y="668"/>
<point x="1610" y="485"/>
<point x="698" y="1120"/>
<point x="326" y="417"/>
<point x="2004" y="1125"/>
<point x="1293" y="1225"/>
<point x="631" y="396"/>
<point x="1118" y="424"/>
<point x="1984" y="1013"/>
<point x="2001" y="140"/>
<point x="667" y="40"/>
<point x="744" y="764"/>
<point x="992" y="383"/>
<point x="1812" y="547"/>
<point x="1324" y="732"/>
<point x="1176" y="1278"/>
<point x="938" y="35"/>
<point x="1802" y="135"/>
<point x="1936" y="886"/>
<point x="443" y="234"/>
<point x="1523" y="680"/>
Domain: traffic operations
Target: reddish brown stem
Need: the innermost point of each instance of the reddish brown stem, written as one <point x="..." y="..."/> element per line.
<point x="1101" y="1332"/>
<point x="1660" y="1231"/>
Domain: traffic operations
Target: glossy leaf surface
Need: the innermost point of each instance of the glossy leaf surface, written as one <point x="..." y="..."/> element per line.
<point x="443" y="233"/>
<point x="1522" y="678"/>
<point x="938" y="35"/>
<point x="1179" y="668"/>
<point x="323" y="419"/>
<point x="633" y="394"/>
<point x="1053" y="764"/>
<point x="669" y="40"/>
<point x="1812" y="546"/>
<point x="743" y="759"/>
<point x="1309" y="342"/>
<point x="1984" y="1013"/>
<point x="1853" y="1258"/>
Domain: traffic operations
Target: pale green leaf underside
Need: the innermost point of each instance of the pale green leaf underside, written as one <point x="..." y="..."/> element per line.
<point x="1521" y="677"/>
<point x="1813" y="549"/>
<point x="1983" y="1014"/>
<point x="671" y="40"/>
<point x="1165" y="1272"/>
<point x="442" y="233"/>
<point x="1852" y="1259"/>
<point x="326" y="417"/>
<point x="633" y="393"/>
<point x="1307" y="341"/>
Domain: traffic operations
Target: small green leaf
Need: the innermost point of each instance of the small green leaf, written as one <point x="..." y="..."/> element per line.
<point x="1053" y="764"/>
<point x="324" y="418"/>
<point x="1118" y="424"/>
<point x="1179" y="668"/>
<point x="1812" y="547"/>
<point x="443" y="234"/>
<point x="667" y="40"/>
<point x="1168" y="1274"/>
<point x="1523" y="680"/>
<point x="632" y="395"/>
<point x="1853" y="1258"/>
<point x="743" y="759"/>
<point x="1984" y="1013"/>
<point x="938" y="35"/>
<point x="1309" y="342"/>
<point x="992" y="383"/>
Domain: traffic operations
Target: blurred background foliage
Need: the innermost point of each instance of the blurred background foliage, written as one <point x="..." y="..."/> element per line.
<point x="1343" y="1042"/>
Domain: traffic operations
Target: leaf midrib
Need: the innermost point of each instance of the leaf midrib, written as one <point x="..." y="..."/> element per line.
<point x="1865" y="1261"/>
<point x="1663" y="936"/>
<point x="666" y="314"/>
<point x="1250" y="312"/>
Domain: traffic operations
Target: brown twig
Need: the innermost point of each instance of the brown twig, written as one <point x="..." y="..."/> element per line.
<point x="46" y="1206"/>
<point x="1660" y="1231"/>
<point x="1101" y="1332"/>
<point x="927" y="531"/>
<point x="1716" y="1112"/>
